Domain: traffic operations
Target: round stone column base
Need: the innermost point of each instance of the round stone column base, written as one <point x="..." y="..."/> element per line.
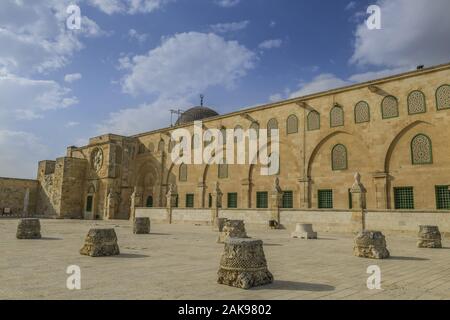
<point x="100" y="243"/>
<point x="429" y="237"/>
<point x="29" y="228"/>
<point x="371" y="245"/>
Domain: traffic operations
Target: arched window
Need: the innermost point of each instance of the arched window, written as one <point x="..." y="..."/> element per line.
<point x="141" y="148"/>
<point x="313" y="121"/>
<point x="339" y="157"/>
<point x="443" y="97"/>
<point x="183" y="173"/>
<point x="421" y="150"/>
<point x="149" y="202"/>
<point x="416" y="102"/>
<point x="272" y="125"/>
<point x="389" y="107"/>
<point x="336" y="117"/>
<point x="161" y="145"/>
<point x="292" y="124"/>
<point x="255" y="126"/>
<point x="362" y="112"/>
<point x="223" y="171"/>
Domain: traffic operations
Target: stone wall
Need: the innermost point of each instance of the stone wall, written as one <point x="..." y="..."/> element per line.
<point x="337" y="221"/>
<point x="12" y="195"/>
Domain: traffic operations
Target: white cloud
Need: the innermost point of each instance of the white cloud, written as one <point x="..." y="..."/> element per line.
<point x="350" y="6"/>
<point x="128" y="6"/>
<point x="229" y="27"/>
<point x="140" y="119"/>
<point x="72" y="77"/>
<point x="414" y="32"/>
<point x="72" y="124"/>
<point x="20" y="154"/>
<point x="187" y="64"/>
<point x="270" y="44"/>
<point x="134" y="35"/>
<point x="227" y="3"/>
<point x="320" y="83"/>
<point x="25" y="99"/>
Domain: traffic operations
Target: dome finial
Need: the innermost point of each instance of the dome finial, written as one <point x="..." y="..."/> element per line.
<point x="202" y="97"/>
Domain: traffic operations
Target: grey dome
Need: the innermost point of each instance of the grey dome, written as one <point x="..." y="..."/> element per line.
<point x="194" y="114"/>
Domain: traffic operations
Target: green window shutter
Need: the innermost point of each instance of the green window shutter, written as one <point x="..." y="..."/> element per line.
<point x="189" y="200"/>
<point x="404" y="198"/>
<point x="288" y="199"/>
<point x="442" y="198"/>
<point x="262" y="200"/>
<point x="325" y="198"/>
<point x="232" y="200"/>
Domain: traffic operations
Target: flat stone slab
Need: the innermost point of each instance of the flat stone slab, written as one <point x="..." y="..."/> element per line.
<point x="141" y="225"/>
<point x="232" y="229"/>
<point x="243" y="264"/>
<point x="429" y="237"/>
<point x="304" y="231"/>
<point x="371" y="244"/>
<point x="100" y="242"/>
<point x="29" y="228"/>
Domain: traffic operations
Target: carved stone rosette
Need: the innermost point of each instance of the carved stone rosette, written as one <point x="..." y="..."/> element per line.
<point x="232" y="229"/>
<point x="370" y="244"/>
<point x="141" y="226"/>
<point x="29" y="229"/>
<point x="100" y="243"/>
<point x="429" y="237"/>
<point x="243" y="264"/>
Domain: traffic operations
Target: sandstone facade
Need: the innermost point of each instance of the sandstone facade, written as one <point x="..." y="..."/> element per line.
<point x="393" y="131"/>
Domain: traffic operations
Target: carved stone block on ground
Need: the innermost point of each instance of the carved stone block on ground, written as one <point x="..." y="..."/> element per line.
<point x="100" y="243"/>
<point x="29" y="229"/>
<point x="371" y="244"/>
<point x="304" y="231"/>
<point x="243" y="264"/>
<point x="232" y="229"/>
<point x="141" y="226"/>
<point x="429" y="237"/>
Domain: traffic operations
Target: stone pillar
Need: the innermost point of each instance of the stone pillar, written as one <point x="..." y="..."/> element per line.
<point x="217" y="196"/>
<point x="243" y="264"/>
<point x="26" y="202"/>
<point x="381" y="190"/>
<point x="29" y="229"/>
<point x="429" y="237"/>
<point x="200" y="196"/>
<point x="245" y="195"/>
<point x="276" y="199"/>
<point x="171" y="200"/>
<point x="136" y="201"/>
<point x="305" y="184"/>
<point x="359" y="192"/>
<point x="112" y="202"/>
<point x="141" y="225"/>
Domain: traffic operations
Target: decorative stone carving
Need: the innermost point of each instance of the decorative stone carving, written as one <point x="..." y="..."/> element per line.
<point x="416" y="102"/>
<point x="370" y="244"/>
<point x="243" y="264"/>
<point x="100" y="243"/>
<point x="429" y="237"/>
<point x="97" y="159"/>
<point x="171" y="196"/>
<point x="304" y="231"/>
<point x="362" y="112"/>
<point x="112" y="202"/>
<point x="336" y="116"/>
<point x="141" y="225"/>
<point x="232" y="229"/>
<point x="339" y="157"/>
<point x="29" y="229"/>
<point x="389" y="107"/>
<point x="421" y="150"/>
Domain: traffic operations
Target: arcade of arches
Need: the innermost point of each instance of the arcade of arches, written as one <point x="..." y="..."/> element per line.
<point x="393" y="131"/>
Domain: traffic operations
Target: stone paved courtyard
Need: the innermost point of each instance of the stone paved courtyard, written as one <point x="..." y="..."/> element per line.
<point x="181" y="262"/>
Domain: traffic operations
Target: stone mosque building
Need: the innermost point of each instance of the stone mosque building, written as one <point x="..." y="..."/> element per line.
<point x="394" y="131"/>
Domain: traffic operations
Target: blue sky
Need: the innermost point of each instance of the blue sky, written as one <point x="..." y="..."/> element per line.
<point x="133" y="60"/>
